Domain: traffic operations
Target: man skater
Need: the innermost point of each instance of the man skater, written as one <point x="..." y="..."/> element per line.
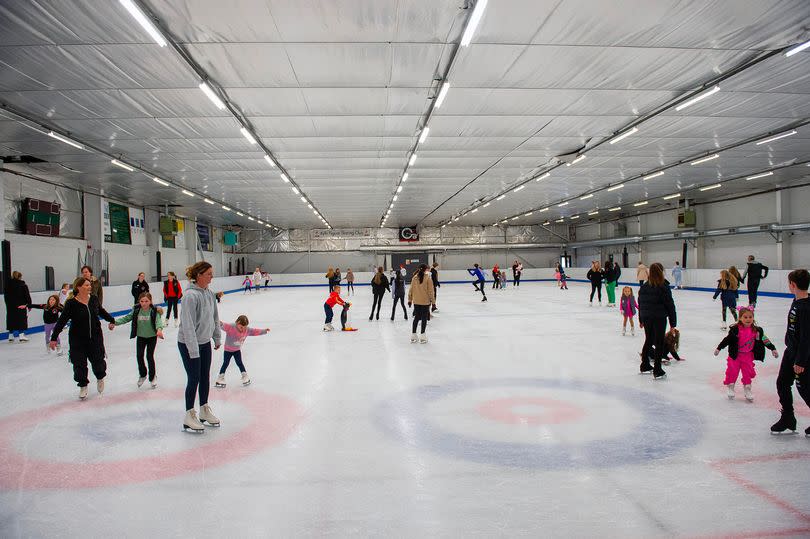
<point x="434" y="276"/>
<point x="754" y="273"/>
<point x="475" y="271"/>
<point x="796" y="359"/>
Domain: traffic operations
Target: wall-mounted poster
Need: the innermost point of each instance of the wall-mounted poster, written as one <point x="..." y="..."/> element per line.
<point x="180" y="237"/>
<point x="137" y="228"/>
<point x="116" y="221"/>
<point x="204" y="233"/>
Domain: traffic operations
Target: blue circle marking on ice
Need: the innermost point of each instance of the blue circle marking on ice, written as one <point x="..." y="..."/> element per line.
<point x="665" y="429"/>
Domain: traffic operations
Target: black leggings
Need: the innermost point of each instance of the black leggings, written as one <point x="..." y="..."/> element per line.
<point x="784" y="383"/>
<point x="421" y="313"/>
<point x="654" y="331"/>
<point x="733" y="311"/>
<point x="81" y="353"/>
<point x="378" y="297"/>
<point x="226" y="360"/>
<point x="198" y="373"/>
<point x="349" y="286"/>
<point x="479" y="286"/>
<point x="596" y="287"/>
<point x="753" y="288"/>
<point x="171" y="304"/>
<point x="146" y="344"/>
<point x="394" y="308"/>
<point x="516" y="280"/>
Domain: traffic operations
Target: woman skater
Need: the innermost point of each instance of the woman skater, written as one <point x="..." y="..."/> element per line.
<point x="198" y="325"/>
<point x="349" y="282"/>
<point x="379" y="285"/>
<point x="655" y="307"/>
<point x="434" y="277"/>
<point x="517" y="271"/>
<point x="479" y="281"/>
<point x="139" y="286"/>
<point x="727" y="289"/>
<point x="18" y="300"/>
<point x="399" y="294"/>
<point x="50" y="315"/>
<point x="84" y="337"/>
<point x="172" y="292"/>
<point x="420" y="295"/>
<point x="595" y="276"/>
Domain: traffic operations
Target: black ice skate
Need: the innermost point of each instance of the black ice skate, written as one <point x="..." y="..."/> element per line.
<point x="787" y="422"/>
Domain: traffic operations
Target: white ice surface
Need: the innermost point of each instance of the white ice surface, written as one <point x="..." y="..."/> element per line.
<point x="348" y="467"/>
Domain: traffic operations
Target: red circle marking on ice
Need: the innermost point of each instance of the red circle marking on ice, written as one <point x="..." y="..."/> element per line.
<point x="502" y="411"/>
<point x="273" y="419"/>
<point x="764" y="391"/>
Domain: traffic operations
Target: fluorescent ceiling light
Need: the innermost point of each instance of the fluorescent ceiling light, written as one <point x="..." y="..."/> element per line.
<point x="797" y="48"/>
<point x="654" y="175"/>
<point x="251" y="218"/>
<point x="617" y="208"/>
<point x="118" y="163"/>
<point x="295" y="190"/>
<point x="643" y="203"/>
<point x="586" y="197"/>
<point x="65" y="140"/>
<point x="208" y="201"/>
<point x="519" y="188"/>
<point x="399" y="189"/>
<point x="764" y="174"/>
<point x="147" y="25"/>
<point x="442" y="94"/>
<point x="269" y="160"/>
<point x="260" y="221"/>
<point x="161" y="182"/>
<point x="423" y="135"/>
<point x="309" y="206"/>
<point x="670" y="197"/>
<point x="697" y="98"/>
<point x="394" y="199"/>
<point x="285" y="178"/>
<point x="226" y="208"/>
<point x="209" y="92"/>
<point x="777" y="137"/>
<point x="616" y="187"/>
<point x="475" y="18"/>
<point x="527" y="214"/>
<point x="710" y="187"/>
<point x="547" y="223"/>
<point x="594" y="212"/>
<point x="516" y="218"/>
<point x="247" y="135"/>
<point x="561" y="204"/>
<point x="543" y="177"/>
<point x="704" y="159"/>
<point x="304" y="200"/>
<point x="501" y="197"/>
<point x="504" y="221"/>
<point x="405" y="177"/>
<point x="188" y="193"/>
<point x="577" y="160"/>
<point x="559" y="220"/>
<point x="412" y="160"/>
<point x="626" y="134"/>
<point x="487" y="204"/>
<point x="575" y="217"/>
<point x="541" y="211"/>
<point x="475" y="210"/>
<point x="240" y="214"/>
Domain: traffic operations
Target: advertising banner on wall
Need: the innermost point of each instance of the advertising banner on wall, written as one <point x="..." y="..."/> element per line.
<point x="408" y="233"/>
<point x="204" y="233"/>
<point x="137" y="228"/>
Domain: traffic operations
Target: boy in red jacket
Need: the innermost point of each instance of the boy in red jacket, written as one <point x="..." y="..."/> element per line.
<point x="335" y="299"/>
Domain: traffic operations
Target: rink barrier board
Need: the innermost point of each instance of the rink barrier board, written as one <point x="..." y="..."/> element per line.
<point x="41" y="328"/>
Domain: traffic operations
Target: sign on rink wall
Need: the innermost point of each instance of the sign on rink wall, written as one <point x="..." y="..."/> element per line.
<point x="137" y="228"/>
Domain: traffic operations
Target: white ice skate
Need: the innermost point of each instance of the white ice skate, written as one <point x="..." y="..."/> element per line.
<point x="422" y="338"/>
<point x="141" y="380"/>
<point x="328" y="327"/>
<point x="82" y="392"/>
<point x="414" y="338"/>
<point x="100" y="386"/>
<point x="153" y="383"/>
<point x="730" y="392"/>
<point x="48" y="348"/>
<point x="724" y="328"/>
<point x="220" y="381"/>
<point x="191" y="423"/>
<point x="748" y="395"/>
<point x="23" y="338"/>
<point x="245" y="379"/>
<point x="207" y="416"/>
<point x="624" y="331"/>
<point x="633" y="331"/>
<point x="10" y="338"/>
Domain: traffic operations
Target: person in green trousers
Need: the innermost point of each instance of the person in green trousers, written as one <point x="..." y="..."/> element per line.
<point x="610" y="283"/>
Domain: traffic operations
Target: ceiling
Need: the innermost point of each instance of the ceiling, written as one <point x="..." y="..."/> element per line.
<point x="338" y="91"/>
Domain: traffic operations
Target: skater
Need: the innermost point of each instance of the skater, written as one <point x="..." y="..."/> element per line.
<point x="379" y="285"/>
<point x="98" y="290"/>
<point x="736" y="273"/>
<point x="677" y="275"/>
<point x="434" y="277"/>
<point x="562" y="277"/>
<point x="64" y="293"/>
<point x="617" y="273"/>
<point x="610" y="283"/>
<point x="172" y="292"/>
<point x="655" y="307"/>
<point x="256" y="278"/>
<point x="746" y="342"/>
<point x="139" y="286"/>
<point x="420" y="295"/>
<point x="754" y="272"/>
<point x="267" y="279"/>
<point x="330" y="277"/>
<point x="476" y="272"/>
<point x="18" y="300"/>
<point x="248" y="284"/>
<point x="235" y="335"/>
<point x="147" y="328"/>
<point x="50" y="315"/>
<point x="349" y="282"/>
<point x="328" y="307"/>
<point x="796" y="359"/>
<point x="496" y="277"/>
<point x="672" y="342"/>
<point x="642" y="273"/>
<point x="85" y="338"/>
<point x="628" y="307"/>
<point x="517" y="271"/>
<point x="595" y="276"/>
<point x="727" y="290"/>
<point x="198" y="326"/>
<point x="398" y="286"/>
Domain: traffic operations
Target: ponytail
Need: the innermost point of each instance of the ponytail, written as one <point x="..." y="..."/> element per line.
<point x="421" y="273"/>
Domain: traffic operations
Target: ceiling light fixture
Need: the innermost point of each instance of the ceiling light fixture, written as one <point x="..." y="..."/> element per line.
<point x="399" y="189"/>
<point x="285" y="178"/>
<point x="626" y="134"/>
<point x="412" y="160"/>
<point x="304" y="200"/>
<point x="575" y="217"/>
<point x="475" y="18"/>
<point x="247" y="134"/>
<point x="442" y="94"/>
<point x="118" y="163"/>
<point x="516" y="218"/>
<point x="394" y="199"/>
<point x="269" y="160"/>
<point x="209" y="92"/>
<point x="586" y="197"/>
<point x="654" y="175"/>
<point x="405" y="177"/>
<point x="226" y="208"/>
<point x="251" y="218"/>
<point x="208" y="201"/>
<point x="763" y="175"/>
<point x="501" y="197"/>
<point x="527" y="214"/>
<point x="710" y="187"/>
<point x="704" y="159"/>
<point x="543" y="177"/>
<point x="547" y="223"/>
<point x="615" y="187"/>
<point x="519" y="188"/>
<point x="475" y="210"/>
<point x="161" y="182"/>
<point x="670" y="197"/>
<point x="697" y="98"/>
<point x="147" y="25"/>
<point x="188" y="193"/>
<point x="577" y="160"/>
<point x="642" y="203"/>
<point x="65" y="140"/>
<point x="424" y="134"/>
<point x="541" y="211"/>
<point x="594" y="212"/>
<point x="617" y="208"/>
<point x="487" y="204"/>
<point x="559" y="221"/>
<point x="561" y="204"/>
<point x="777" y="137"/>
<point x="295" y="190"/>
<point x="797" y="48"/>
<point x="240" y="214"/>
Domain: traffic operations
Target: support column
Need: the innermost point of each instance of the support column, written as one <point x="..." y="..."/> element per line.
<point x="783" y="260"/>
<point x="94" y="222"/>
<point x="3" y="176"/>
<point x="151" y="220"/>
<point x="699" y="249"/>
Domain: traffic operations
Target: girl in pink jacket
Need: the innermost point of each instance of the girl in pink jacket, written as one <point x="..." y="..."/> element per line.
<point x="628" y="307"/>
<point x="235" y="335"/>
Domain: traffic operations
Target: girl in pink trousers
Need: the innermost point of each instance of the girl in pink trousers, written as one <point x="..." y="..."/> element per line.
<point x="746" y="342"/>
<point x="628" y="307"/>
<point x="235" y="335"/>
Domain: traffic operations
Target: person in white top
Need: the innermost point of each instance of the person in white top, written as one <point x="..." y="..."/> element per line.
<point x="257" y="279"/>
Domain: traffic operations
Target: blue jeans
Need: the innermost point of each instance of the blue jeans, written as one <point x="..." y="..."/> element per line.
<point x="226" y="360"/>
<point x="198" y="371"/>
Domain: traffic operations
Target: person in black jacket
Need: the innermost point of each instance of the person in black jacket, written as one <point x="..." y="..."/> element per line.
<point x="655" y="306"/>
<point x="434" y="276"/>
<point x="18" y="301"/>
<point x="379" y="285"/>
<point x="595" y="276"/>
<point x="399" y="292"/>
<point x="50" y="315"/>
<point x="86" y="341"/>
<point x="139" y="286"/>
<point x="754" y="272"/>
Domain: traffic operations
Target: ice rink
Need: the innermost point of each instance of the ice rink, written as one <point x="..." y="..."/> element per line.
<point x="522" y="417"/>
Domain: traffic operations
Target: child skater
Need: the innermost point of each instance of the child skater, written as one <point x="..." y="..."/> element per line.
<point x="235" y="335"/>
<point x="727" y="290"/>
<point x="64" y="293"/>
<point x="746" y="342"/>
<point x="147" y="327"/>
<point x="628" y="307"/>
<point x="328" y="307"/>
<point x="51" y="311"/>
<point x="248" y="284"/>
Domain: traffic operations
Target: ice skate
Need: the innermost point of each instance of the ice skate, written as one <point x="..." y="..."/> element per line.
<point x="349" y="328"/>
<point x="245" y="379"/>
<point x="730" y="391"/>
<point x="414" y="337"/>
<point x="724" y="328"/>
<point x="328" y="327"/>
<point x="633" y="331"/>
<point x="153" y="382"/>
<point x="141" y="380"/>
<point x="220" y="381"/>
<point x="100" y="386"/>
<point x="423" y="338"/>
<point x="787" y="422"/>
<point x="191" y="423"/>
<point x="59" y="351"/>
<point x="485" y="298"/>
<point x="207" y="416"/>
<point x="624" y="332"/>
<point x="48" y="348"/>
<point x="748" y="395"/>
<point x="807" y="432"/>
<point x="82" y="392"/>
<point x="659" y="375"/>
<point x="10" y="338"/>
<point x="23" y="338"/>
